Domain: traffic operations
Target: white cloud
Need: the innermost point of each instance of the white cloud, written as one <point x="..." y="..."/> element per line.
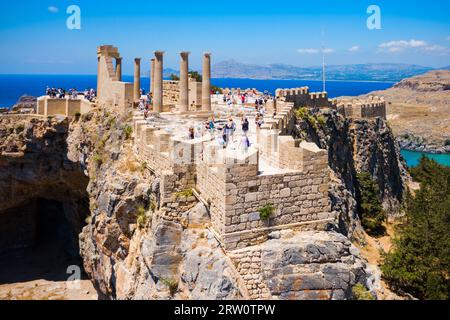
<point x="315" y="51"/>
<point x="354" y="49"/>
<point x="448" y="38"/>
<point x="308" y="50"/>
<point x="400" y="45"/>
<point x="53" y="9"/>
<point x="417" y="45"/>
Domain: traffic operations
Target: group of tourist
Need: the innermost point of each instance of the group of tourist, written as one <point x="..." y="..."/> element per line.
<point x="60" y="93"/>
<point x="145" y="105"/>
<point x="227" y="132"/>
<point x="56" y="93"/>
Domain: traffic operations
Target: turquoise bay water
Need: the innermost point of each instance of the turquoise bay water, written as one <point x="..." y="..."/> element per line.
<point x="412" y="158"/>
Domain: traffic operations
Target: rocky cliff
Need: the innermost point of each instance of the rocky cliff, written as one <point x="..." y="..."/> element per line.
<point x="355" y="146"/>
<point x="131" y="250"/>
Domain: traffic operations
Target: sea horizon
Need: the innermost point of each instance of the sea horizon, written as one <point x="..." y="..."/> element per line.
<point x="14" y="86"/>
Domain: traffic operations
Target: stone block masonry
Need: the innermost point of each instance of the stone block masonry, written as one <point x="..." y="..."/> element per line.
<point x="110" y="89"/>
<point x="65" y="107"/>
<point x="372" y="107"/>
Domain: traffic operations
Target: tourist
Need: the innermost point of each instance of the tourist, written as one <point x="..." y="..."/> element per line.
<point x="74" y="94"/>
<point x="245" y="143"/>
<point x="211" y="126"/>
<point x="141" y="105"/>
<point x="191" y="133"/>
<point x="228" y="132"/>
<point x="245" y="126"/>
<point x="262" y="110"/>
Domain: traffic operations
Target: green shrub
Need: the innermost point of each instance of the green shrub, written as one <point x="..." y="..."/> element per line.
<point x="141" y="217"/>
<point x="321" y="120"/>
<point x="98" y="159"/>
<point x="174" y="77"/>
<point x="172" y="284"/>
<point x="312" y="121"/>
<point x="153" y="206"/>
<point x="128" y="131"/>
<point x="266" y="211"/>
<point x="185" y="193"/>
<point x="360" y="292"/>
<point x="302" y="113"/>
<point x="371" y="210"/>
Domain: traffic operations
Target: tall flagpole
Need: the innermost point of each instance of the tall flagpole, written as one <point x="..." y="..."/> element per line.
<point x="324" y="89"/>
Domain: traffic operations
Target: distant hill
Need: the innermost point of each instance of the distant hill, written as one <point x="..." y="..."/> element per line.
<point x="357" y="72"/>
<point x="419" y="111"/>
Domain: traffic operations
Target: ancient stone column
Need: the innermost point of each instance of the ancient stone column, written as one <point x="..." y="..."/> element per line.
<point x="119" y="69"/>
<point x="206" y="82"/>
<point x="158" y="85"/>
<point x="184" y="82"/>
<point x="137" y="79"/>
<point x="152" y="75"/>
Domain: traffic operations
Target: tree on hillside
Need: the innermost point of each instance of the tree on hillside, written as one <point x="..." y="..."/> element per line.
<point x="371" y="211"/>
<point x="174" y="77"/>
<point x="419" y="262"/>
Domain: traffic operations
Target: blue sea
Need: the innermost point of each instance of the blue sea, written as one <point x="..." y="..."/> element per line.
<point x="12" y="87"/>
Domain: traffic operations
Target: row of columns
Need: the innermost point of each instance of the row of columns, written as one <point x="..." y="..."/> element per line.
<point x="156" y="78"/>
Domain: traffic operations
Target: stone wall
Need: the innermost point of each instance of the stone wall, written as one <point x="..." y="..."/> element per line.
<point x="301" y="97"/>
<point x="371" y="108"/>
<point x="248" y="264"/>
<point x="238" y="186"/>
<point x="171" y="93"/>
<point x="67" y="107"/>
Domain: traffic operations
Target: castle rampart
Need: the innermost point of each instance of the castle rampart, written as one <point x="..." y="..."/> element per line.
<point x="301" y="97"/>
<point x="369" y="108"/>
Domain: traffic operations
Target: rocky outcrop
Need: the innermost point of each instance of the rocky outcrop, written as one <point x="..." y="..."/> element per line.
<point x="355" y="146"/>
<point x="26" y="104"/>
<point x="35" y="172"/>
<point x="313" y="266"/>
<point x="433" y="81"/>
<point x="132" y="250"/>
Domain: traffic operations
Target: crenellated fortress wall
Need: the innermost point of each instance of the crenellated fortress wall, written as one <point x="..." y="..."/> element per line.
<point x="301" y="97"/>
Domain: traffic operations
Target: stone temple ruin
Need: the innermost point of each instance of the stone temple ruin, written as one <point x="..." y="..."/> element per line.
<point x="277" y="175"/>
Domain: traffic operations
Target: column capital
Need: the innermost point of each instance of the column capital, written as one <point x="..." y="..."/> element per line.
<point x="137" y="59"/>
<point x="185" y="53"/>
<point x="119" y="59"/>
<point x="207" y="54"/>
<point x="159" y="53"/>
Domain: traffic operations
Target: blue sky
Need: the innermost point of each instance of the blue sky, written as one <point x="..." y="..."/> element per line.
<point x="35" y="39"/>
